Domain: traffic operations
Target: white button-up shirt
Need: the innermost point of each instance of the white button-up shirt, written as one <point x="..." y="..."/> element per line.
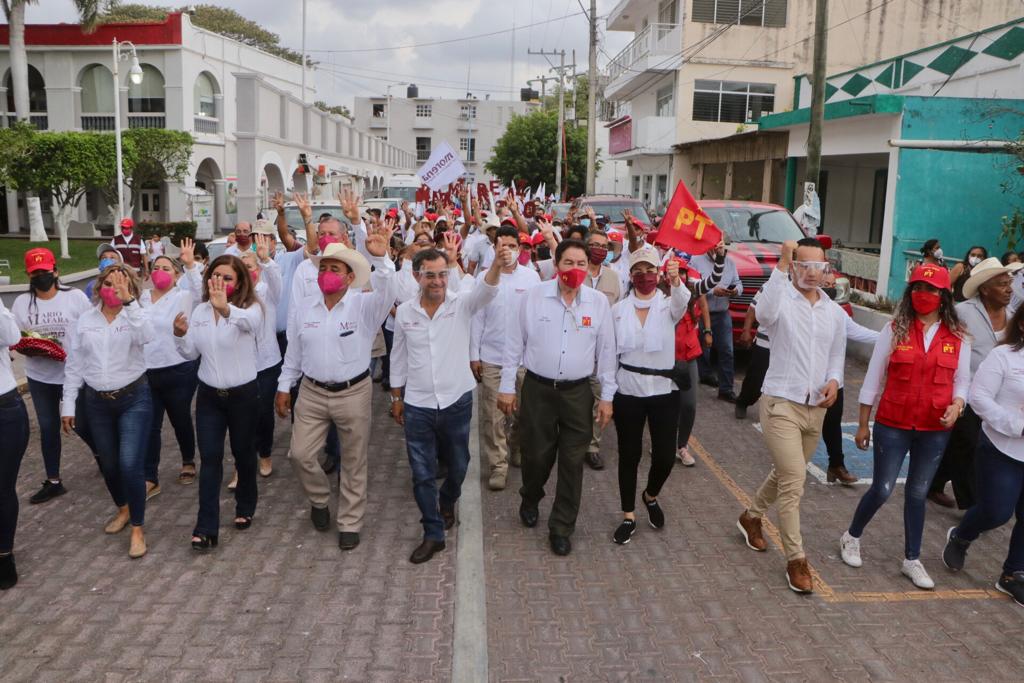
<point x="997" y="396"/>
<point x="430" y="356"/>
<point x="651" y="345"/>
<point x="162" y="351"/>
<point x="406" y="288"/>
<point x="333" y="345"/>
<point x="487" y="340"/>
<point x="808" y="343"/>
<point x="268" y="291"/>
<point x="288" y="262"/>
<point x="105" y="355"/>
<point x="227" y="345"/>
<point x="561" y="342"/>
<point x="9" y="336"/>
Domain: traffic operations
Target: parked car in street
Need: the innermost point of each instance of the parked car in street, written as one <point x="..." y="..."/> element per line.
<point x="611" y="205"/>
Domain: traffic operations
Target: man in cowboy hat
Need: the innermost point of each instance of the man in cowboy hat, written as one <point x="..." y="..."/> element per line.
<point x="987" y="294"/>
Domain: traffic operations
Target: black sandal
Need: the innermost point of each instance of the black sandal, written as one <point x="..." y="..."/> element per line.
<point x="202" y="543"/>
<point x="244" y="524"/>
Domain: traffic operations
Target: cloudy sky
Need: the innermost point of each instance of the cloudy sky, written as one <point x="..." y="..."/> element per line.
<point x="346" y="37"/>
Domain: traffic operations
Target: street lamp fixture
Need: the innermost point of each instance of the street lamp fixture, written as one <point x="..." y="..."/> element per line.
<point x="122" y="51"/>
<point x="136" y="71"/>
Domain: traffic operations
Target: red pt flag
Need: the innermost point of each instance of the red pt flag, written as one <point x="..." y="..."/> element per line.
<point x="685" y="225"/>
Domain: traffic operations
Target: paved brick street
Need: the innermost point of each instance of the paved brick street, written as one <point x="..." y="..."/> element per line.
<point x="281" y="602"/>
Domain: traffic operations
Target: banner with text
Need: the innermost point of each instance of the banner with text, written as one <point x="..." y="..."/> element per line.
<point x="443" y="168"/>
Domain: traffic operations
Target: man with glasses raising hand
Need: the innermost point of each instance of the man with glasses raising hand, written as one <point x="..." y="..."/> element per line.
<point x="808" y="349"/>
<point x="430" y="366"/>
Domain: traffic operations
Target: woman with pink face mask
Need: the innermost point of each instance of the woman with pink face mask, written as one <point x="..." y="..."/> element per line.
<point x="222" y="332"/>
<point x="172" y="377"/>
<point x="106" y="360"/>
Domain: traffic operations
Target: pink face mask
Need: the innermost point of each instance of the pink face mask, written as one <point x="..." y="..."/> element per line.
<point x="109" y="297"/>
<point x="325" y="240"/>
<point x="331" y="283"/>
<point x="162" y="279"/>
<point x="255" y="275"/>
<point x="229" y="289"/>
<point x="524" y="257"/>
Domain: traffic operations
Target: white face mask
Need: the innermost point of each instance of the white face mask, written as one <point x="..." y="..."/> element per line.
<point x="937" y="254"/>
<point x="974" y="260"/>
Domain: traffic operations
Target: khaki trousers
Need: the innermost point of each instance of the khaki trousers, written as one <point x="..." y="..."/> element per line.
<point x="792" y="432"/>
<point x="349" y="410"/>
<point x="499" y="435"/>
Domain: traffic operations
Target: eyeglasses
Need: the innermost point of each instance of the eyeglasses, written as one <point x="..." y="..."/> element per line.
<point x="430" y="275"/>
<point x="820" y="266"/>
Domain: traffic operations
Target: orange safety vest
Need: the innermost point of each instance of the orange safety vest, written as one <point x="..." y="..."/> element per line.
<point x="919" y="384"/>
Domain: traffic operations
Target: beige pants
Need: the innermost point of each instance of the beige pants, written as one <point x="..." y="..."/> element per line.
<point x="498" y="433"/>
<point x="791" y="431"/>
<point x="595" y="441"/>
<point x="349" y="410"/>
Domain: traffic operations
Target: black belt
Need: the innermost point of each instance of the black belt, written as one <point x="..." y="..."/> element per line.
<point x="11" y="396"/>
<point x="118" y="393"/>
<point x="233" y="391"/>
<point x="670" y="373"/>
<point x="557" y="383"/>
<point x="335" y="387"/>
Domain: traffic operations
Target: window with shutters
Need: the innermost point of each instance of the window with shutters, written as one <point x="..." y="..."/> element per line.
<point x="770" y="13"/>
<point x="732" y="101"/>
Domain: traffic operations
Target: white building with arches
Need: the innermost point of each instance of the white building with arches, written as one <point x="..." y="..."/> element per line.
<point x="245" y="108"/>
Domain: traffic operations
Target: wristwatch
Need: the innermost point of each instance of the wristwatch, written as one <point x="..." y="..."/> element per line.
<point x="395" y="399"/>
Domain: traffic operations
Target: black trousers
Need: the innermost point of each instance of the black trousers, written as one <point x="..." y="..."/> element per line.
<point x="957" y="463"/>
<point x="832" y="432"/>
<point x="631" y="413"/>
<point x="555" y="425"/>
<point x="757" y="368"/>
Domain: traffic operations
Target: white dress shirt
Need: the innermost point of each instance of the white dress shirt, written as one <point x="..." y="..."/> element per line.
<point x="52" y="318"/>
<point x="430" y="356"/>
<point x="651" y="345"/>
<point x="9" y="336"/>
<point x="287" y="262"/>
<point x="406" y="288"/>
<point x="268" y="291"/>
<point x="105" y="355"/>
<point x="333" y="346"/>
<point x="227" y="345"/>
<point x="997" y="396"/>
<point x="162" y="351"/>
<point x="874" y="380"/>
<point x="808" y="343"/>
<point x="487" y="340"/>
<point x="560" y="342"/>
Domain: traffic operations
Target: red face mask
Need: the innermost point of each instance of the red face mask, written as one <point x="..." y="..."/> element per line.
<point x="255" y="275"/>
<point x="573" y="277"/>
<point x="524" y="257"/>
<point x="644" y="283"/>
<point x="925" y="302"/>
<point x="597" y="255"/>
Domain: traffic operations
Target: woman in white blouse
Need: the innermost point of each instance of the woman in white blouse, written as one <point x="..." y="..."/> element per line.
<point x="222" y="331"/>
<point x="106" y="354"/>
<point x="172" y="377"/>
<point x="997" y="396"/>
<point x="645" y="337"/>
<point x="14" y="427"/>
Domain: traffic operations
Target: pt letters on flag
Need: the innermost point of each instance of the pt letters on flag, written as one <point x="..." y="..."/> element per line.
<point x="442" y="168"/>
<point x="685" y="225"/>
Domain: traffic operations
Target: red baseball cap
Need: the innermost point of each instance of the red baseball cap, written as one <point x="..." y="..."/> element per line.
<point x="127" y="223"/>
<point x="936" y="276"/>
<point x="615" y="236"/>
<point x="392" y="212"/>
<point x="39" y="259"/>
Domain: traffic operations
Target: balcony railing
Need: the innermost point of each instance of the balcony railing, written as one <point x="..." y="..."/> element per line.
<point x="147" y="121"/>
<point x="657" y="39"/>
<point x="206" y="124"/>
<point x="40" y="121"/>
<point x="100" y="122"/>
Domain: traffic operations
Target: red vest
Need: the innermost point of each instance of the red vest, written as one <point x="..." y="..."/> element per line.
<point x="919" y="385"/>
<point x="687" y="340"/>
<point x="130" y="250"/>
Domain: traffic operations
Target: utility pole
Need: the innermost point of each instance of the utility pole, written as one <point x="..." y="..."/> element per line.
<point x="592" y="100"/>
<point x="543" y="80"/>
<point x="560" y="70"/>
<point x="817" y="93"/>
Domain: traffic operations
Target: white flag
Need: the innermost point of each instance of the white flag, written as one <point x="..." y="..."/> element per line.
<point x="442" y="168"/>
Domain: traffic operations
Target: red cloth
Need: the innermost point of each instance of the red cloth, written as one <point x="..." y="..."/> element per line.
<point x="685" y="225"/>
<point x="919" y="384"/>
<point x="687" y="338"/>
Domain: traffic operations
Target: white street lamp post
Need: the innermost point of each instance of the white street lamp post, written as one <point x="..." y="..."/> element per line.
<point x="121" y="52"/>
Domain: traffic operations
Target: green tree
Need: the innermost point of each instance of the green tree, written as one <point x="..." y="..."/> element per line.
<point x="64" y="165"/>
<point x="159" y="156"/>
<point x="338" y="109"/>
<point x="526" y="151"/>
<point x="1013" y="224"/>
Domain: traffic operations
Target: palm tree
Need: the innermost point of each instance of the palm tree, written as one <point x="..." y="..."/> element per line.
<point x="88" y="14"/>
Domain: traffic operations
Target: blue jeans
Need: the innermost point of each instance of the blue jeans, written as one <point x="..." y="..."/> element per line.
<point x="721" y="332"/>
<point x="14" y="427"/>
<point x="233" y="414"/>
<point x="46" y="400"/>
<point x="891" y="446"/>
<point x="172" y="389"/>
<point x="120" y="427"/>
<point x="266" y="382"/>
<point x="426" y="431"/>
<point x="1000" y="490"/>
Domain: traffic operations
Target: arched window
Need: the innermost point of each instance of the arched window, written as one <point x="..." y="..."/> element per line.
<point x="203" y="96"/>
<point x="97" y="85"/>
<point x="36" y="91"/>
<point x="148" y="96"/>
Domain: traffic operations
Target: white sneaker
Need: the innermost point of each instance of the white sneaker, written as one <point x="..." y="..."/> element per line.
<point x="849" y="549"/>
<point x="915" y="571"/>
<point x="684" y="457"/>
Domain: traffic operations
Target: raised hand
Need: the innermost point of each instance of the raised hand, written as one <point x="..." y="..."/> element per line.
<point x="278" y="201"/>
<point x="119" y="281"/>
<point x="218" y="293"/>
<point x="378" y="241"/>
<point x="451" y="247"/>
<point x="672" y="270"/>
<point x="302" y="203"/>
<point x="349" y="201"/>
<point x="180" y="325"/>
<point x="188" y="252"/>
<point x="545" y="228"/>
<point x="262" y="247"/>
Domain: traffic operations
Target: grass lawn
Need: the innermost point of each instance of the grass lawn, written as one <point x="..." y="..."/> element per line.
<point x="83" y="256"/>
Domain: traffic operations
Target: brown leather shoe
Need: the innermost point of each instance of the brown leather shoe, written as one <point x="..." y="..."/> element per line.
<point x="425" y="551"/>
<point x="942" y="498"/>
<point x="842" y="475"/>
<point x="750" y="527"/>
<point x="798" y="574"/>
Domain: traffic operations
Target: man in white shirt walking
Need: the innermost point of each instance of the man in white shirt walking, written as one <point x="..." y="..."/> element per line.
<point x="486" y="354"/>
<point x="561" y="333"/>
<point x="808" y="350"/>
<point x="430" y="367"/>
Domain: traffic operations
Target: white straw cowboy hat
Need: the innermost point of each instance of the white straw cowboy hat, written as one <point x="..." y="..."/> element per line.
<point x="985" y="271"/>
<point x="356" y="262"/>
